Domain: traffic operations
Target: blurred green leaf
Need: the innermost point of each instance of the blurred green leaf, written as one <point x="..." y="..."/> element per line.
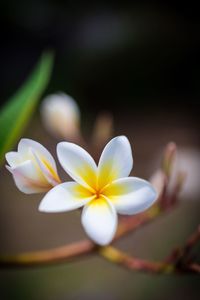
<point x="16" y="113"/>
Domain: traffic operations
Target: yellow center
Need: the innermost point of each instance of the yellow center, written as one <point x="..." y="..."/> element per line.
<point x="98" y="194"/>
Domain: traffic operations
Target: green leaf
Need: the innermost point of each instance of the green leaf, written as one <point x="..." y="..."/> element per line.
<point x="16" y="113"/>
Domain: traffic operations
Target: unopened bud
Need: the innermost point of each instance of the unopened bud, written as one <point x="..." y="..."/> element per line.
<point x="103" y="128"/>
<point x="61" y="116"/>
<point x="158" y="180"/>
<point x="168" y="158"/>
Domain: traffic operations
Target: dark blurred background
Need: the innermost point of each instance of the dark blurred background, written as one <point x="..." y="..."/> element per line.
<point x="107" y="53"/>
<point x="140" y="61"/>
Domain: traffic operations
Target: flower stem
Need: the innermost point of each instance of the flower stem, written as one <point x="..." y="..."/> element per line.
<point x="50" y="256"/>
<point x="74" y="250"/>
<point x="114" y="255"/>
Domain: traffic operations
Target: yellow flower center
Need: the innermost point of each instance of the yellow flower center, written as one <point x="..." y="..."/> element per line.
<point x="97" y="194"/>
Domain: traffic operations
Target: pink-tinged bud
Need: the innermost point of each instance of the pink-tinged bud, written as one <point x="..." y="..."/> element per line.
<point x="33" y="167"/>
<point x="169" y="158"/>
<point x="186" y="173"/>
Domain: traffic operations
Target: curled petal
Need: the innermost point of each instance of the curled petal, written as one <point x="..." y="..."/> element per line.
<point x="33" y="167"/>
<point x="13" y="158"/>
<point x="65" y="197"/>
<point x="115" y="162"/>
<point x="78" y="164"/>
<point x="99" y="220"/>
<point x="48" y="172"/>
<point x="130" y="195"/>
<point x="25" y="145"/>
<point x="28" y="179"/>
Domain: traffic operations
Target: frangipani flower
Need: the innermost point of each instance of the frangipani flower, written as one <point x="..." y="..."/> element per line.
<point x="103" y="190"/>
<point x="61" y="115"/>
<point x="33" y="167"/>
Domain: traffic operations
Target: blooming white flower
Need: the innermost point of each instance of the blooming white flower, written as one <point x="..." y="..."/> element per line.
<point x="61" y="115"/>
<point x="103" y="190"/>
<point x="33" y="167"/>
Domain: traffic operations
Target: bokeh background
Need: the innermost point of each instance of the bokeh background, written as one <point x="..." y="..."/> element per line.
<point x="139" y="61"/>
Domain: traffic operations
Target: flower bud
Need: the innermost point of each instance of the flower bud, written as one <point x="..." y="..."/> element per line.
<point x="186" y="173"/>
<point x="61" y="116"/>
<point x="103" y="128"/>
<point x="33" y="167"/>
<point x="169" y="158"/>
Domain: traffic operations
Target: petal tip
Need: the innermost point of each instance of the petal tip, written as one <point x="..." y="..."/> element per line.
<point x="23" y="141"/>
<point x="120" y="138"/>
<point x="62" y="145"/>
<point x="8" y="168"/>
<point x="42" y="208"/>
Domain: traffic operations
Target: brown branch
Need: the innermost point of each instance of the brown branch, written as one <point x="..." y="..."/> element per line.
<point x="136" y="264"/>
<point x="181" y="256"/>
<point x="114" y="255"/>
<point x="192" y="240"/>
<point x="129" y="224"/>
<point x="195" y="267"/>
<point x="77" y="249"/>
<point x="51" y="256"/>
<point x="177" y="262"/>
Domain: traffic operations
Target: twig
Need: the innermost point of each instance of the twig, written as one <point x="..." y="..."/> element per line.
<point x="136" y="264"/>
<point x="177" y="261"/>
<point x="51" y="256"/>
<point x="116" y="256"/>
<point x="181" y="256"/>
<point x="192" y="240"/>
<point x="74" y="250"/>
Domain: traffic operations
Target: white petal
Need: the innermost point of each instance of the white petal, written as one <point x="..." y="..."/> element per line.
<point x="25" y="145"/>
<point x="115" y="162"/>
<point x="13" y="158"/>
<point x="99" y="220"/>
<point x="78" y="164"/>
<point x="65" y="197"/>
<point x="49" y="173"/>
<point x="28" y="179"/>
<point x="130" y="195"/>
